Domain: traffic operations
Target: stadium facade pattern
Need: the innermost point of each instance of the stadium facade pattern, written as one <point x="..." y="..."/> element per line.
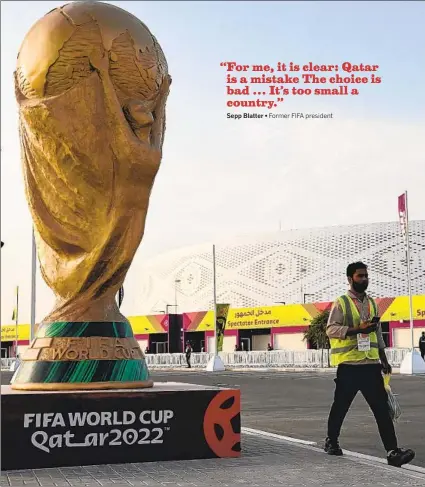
<point x="285" y="266"/>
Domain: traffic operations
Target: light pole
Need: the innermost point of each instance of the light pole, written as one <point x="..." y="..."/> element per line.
<point x="16" y="316"/>
<point x="170" y="306"/>
<point x="215" y="300"/>
<point x="303" y="271"/>
<point x="176" y="281"/>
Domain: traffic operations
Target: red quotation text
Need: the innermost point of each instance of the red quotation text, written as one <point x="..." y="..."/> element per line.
<point x="265" y="86"/>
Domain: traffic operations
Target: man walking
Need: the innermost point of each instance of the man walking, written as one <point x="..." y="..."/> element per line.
<point x="188" y="352"/>
<point x="358" y="350"/>
<point x="422" y="345"/>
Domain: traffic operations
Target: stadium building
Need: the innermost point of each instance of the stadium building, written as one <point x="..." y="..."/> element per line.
<point x="275" y="284"/>
<point x="286" y="278"/>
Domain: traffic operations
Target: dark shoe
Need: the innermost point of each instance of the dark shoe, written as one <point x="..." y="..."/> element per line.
<point x="400" y="457"/>
<point x="332" y="447"/>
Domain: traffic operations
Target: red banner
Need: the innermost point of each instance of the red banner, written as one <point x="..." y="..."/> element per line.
<point x="402" y="213"/>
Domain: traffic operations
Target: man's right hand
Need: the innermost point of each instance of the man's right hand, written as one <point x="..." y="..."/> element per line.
<point x="368" y="329"/>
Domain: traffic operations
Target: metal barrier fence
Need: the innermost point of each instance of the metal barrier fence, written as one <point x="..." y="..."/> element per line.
<point x="277" y="358"/>
<point x="7" y="362"/>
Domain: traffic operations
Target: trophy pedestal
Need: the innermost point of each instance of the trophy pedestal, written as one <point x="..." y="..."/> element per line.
<point x="169" y="421"/>
<point x="82" y="356"/>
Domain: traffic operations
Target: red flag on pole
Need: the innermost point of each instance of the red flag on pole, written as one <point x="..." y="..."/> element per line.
<point x="402" y="213"/>
<point x="402" y="203"/>
<point x="408" y="364"/>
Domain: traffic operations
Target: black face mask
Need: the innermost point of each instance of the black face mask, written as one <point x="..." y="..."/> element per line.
<point x="360" y="287"/>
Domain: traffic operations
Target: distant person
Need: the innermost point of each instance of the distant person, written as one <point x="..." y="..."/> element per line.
<point x="237" y="348"/>
<point x="269" y="347"/>
<point x="188" y="352"/>
<point x="147" y="350"/>
<point x="422" y="345"/>
<point x="358" y="350"/>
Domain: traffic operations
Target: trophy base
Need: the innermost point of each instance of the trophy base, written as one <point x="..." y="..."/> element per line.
<point x="58" y="429"/>
<point x="82" y="356"/>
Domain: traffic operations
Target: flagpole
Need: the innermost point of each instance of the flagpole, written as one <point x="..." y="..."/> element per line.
<point x="215" y="364"/>
<point x="16" y="321"/>
<point x="215" y="302"/>
<point x="33" y="285"/>
<point x="409" y="283"/>
<point x="410" y="364"/>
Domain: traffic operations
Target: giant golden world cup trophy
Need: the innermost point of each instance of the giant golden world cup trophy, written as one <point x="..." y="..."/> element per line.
<point x="91" y="85"/>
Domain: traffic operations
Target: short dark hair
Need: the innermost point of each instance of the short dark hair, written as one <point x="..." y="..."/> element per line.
<point x="352" y="268"/>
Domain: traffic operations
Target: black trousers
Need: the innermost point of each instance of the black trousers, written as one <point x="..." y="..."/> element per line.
<point x="423" y="354"/>
<point x="350" y="379"/>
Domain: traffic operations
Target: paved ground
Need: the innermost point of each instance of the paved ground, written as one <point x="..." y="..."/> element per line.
<point x="294" y="404"/>
<point x="264" y="463"/>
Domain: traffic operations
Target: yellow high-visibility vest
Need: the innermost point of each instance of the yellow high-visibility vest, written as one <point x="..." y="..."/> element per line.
<point x="346" y="350"/>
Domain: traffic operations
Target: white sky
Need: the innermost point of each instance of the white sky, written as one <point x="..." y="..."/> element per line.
<point x="221" y="178"/>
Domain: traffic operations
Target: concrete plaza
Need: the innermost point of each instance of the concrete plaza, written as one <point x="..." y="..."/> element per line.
<point x="296" y="404"/>
<point x="265" y="462"/>
<point x="292" y="404"/>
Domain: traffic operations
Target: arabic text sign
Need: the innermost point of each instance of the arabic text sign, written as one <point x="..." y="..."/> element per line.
<point x="268" y="317"/>
<point x="8" y="332"/>
<point x="265" y="317"/>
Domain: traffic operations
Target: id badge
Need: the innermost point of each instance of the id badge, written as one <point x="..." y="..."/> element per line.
<point x="363" y="343"/>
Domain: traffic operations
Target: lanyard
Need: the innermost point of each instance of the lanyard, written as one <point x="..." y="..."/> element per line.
<point x="359" y="306"/>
